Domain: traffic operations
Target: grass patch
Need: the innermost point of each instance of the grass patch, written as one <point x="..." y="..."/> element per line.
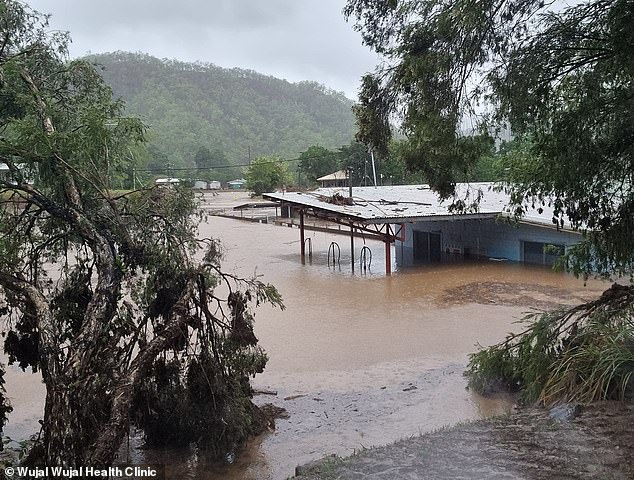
<point x="582" y="354"/>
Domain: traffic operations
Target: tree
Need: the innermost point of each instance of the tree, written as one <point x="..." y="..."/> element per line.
<point x="157" y="161"/>
<point x="136" y="302"/>
<point x="208" y="159"/>
<point x="194" y="104"/>
<point x="265" y="174"/>
<point x="316" y="162"/>
<point x="356" y="156"/>
<point x="562" y="78"/>
<point x="392" y="167"/>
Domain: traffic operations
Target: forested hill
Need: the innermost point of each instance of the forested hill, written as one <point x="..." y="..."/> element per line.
<point x="193" y="105"/>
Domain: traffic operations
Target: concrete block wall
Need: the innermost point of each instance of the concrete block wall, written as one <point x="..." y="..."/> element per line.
<point x="484" y="237"/>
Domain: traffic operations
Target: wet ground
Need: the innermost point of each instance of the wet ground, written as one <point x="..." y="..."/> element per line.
<point x="357" y="360"/>
<point x="529" y="445"/>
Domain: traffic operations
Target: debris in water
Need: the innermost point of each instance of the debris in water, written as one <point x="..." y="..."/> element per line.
<point x="293" y="397"/>
<point x="565" y="413"/>
<point x="264" y="392"/>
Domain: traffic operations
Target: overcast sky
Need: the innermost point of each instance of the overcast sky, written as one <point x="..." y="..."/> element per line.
<point x="292" y="39"/>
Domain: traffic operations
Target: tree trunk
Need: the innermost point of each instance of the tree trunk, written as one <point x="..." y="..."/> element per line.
<point x="63" y="439"/>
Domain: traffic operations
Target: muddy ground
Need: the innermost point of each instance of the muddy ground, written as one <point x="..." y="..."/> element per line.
<point x="529" y="444"/>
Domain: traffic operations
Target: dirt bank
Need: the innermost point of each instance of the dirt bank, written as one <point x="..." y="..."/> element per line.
<point x="597" y="444"/>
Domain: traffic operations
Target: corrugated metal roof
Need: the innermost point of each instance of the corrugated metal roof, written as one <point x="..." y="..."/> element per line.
<point x="407" y="203"/>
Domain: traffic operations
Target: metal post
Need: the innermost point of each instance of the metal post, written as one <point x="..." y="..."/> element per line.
<point x="388" y="250"/>
<point x="301" y="234"/>
<point x="352" y="244"/>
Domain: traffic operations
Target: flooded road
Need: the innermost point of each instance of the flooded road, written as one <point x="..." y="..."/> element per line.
<point x="356" y="359"/>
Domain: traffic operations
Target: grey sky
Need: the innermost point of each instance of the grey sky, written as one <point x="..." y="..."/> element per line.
<point x="291" y="39"/>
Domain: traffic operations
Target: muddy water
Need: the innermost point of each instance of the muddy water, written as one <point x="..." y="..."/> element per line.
<point x="356" y="359"/>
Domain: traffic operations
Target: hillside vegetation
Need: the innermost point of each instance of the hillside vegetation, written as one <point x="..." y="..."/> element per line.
<point x="194" y="105"/>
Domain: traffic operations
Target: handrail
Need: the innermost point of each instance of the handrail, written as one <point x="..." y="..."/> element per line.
<point x="331" y="248"/>
<point x="364" y="261"/>
<point x="310" y="246"/>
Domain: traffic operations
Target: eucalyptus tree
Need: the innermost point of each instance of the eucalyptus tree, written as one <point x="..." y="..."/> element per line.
<point x="109" y="294"/>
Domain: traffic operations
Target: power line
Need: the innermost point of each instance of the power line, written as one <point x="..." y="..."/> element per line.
<point x="185" y="169"/>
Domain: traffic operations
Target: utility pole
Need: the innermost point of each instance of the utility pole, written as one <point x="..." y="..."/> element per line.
<point x="373" y="167"/>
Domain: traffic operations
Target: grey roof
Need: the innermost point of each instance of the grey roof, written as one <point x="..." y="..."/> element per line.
<point x="407" y="203"/>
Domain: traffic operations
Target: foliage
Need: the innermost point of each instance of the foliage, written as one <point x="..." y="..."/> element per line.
<point x="232" y="110"/>
<point x="582" y="354"/>
<point x="390" y="168"/>
<point x="210" y="163"/>
<point x="316" y="162"/>
<point x="205" y="158"/>
<point x="184" y="385"/>
<point x="393" y="170"/>
<point x="98" y="289"/>
<point x="356" y="156"/>
<point x="5" y="406"/>
<point x="265" y="174"/>
<point x="561" y="79"/>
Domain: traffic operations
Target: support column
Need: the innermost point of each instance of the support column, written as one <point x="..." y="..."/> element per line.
<point x="352" y="245"/>
<point x="301" y="235"/>
<point x="388" y="250"/>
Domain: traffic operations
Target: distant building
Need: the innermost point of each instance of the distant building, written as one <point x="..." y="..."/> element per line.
<point x="334" y="180"/>
<point x="205" y="185"/>
<point x="167" y="181"/>
<point x="236" y="184"/>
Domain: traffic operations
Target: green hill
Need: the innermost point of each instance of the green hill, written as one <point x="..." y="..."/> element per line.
<point x="193" y="105"/>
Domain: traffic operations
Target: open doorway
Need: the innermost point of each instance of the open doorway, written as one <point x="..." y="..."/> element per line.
<point x="426" y="247"/>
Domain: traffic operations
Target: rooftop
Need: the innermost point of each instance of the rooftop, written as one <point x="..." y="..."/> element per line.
<point x="338" y="175"/>
<point x="406" y="203"/>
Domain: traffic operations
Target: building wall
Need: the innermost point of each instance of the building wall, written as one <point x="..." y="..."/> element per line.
<point x="485" y="237"/>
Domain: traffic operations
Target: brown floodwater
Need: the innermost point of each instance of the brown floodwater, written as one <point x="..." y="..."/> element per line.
<point x="356" y="359"/>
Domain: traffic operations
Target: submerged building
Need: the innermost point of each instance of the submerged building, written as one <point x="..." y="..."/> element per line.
<point x="425" y="229"/>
